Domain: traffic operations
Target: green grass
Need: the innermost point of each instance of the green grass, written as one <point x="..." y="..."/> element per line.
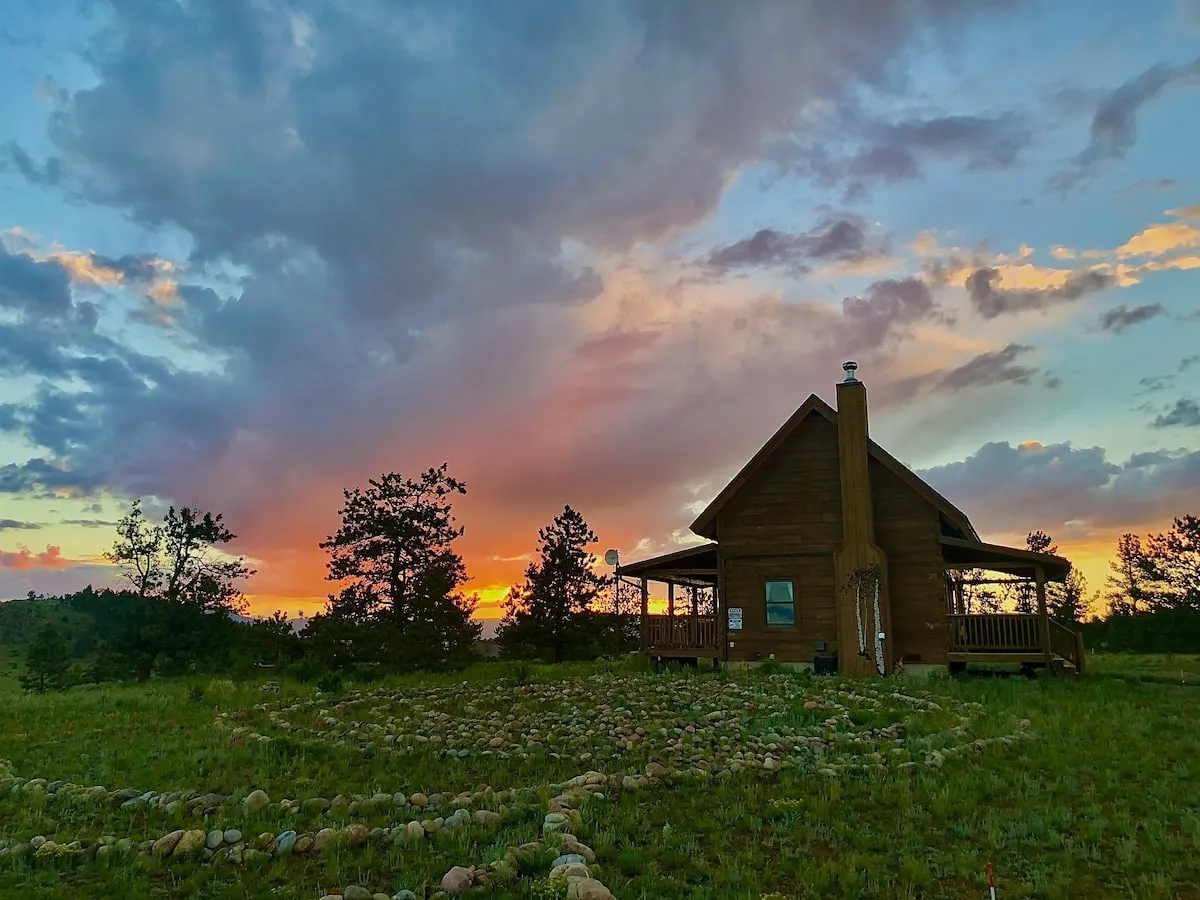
<point x="1102" y="801"/>
<point x="1168" y="668"/>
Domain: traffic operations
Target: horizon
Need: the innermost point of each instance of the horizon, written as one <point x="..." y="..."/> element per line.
<point x="247" y="262"/>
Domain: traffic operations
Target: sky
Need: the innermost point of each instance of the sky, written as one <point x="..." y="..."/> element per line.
<point x="255" y="252"/>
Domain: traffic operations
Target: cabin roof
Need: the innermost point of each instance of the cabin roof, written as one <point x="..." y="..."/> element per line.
<point x="692" y="565"/>
<point x="979" y="555"/>
<point x="705" y="524"/>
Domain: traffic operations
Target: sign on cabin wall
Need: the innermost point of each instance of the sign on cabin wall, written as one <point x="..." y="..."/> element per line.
<point x="735" y="618"/>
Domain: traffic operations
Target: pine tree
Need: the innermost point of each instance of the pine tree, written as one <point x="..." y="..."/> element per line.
<point x="1069" y="603"/>
<point x="1128" y="588"/>
<point x="401" y="576"/>
<point x="551" y="612"/>
<point x="1172" y="565"/>
<point x="47" y="662"/>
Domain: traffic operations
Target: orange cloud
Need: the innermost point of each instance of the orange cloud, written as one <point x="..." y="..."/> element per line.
<point x="50" y="558"/>
<point x="1160" y="239"/>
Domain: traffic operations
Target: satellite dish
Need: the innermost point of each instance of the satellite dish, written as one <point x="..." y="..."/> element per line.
<point x="611" y="557"/>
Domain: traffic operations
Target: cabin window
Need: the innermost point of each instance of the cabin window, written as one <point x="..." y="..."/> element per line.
<point x="780" y="597"/>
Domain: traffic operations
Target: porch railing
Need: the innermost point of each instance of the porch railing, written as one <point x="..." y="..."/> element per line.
<point x="681" y="633"/>
<point x="1012" y="633"/>
<point x="994" y="632"/>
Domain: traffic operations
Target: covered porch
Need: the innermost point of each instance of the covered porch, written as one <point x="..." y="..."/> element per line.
<point x="1030" y="639"/>
<point x="690" y="627"/>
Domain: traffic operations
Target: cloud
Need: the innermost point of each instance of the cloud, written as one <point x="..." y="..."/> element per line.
<point x="1185" y="413"/>
<point x="15" y="525"/>
<point x="987" y="369"/>
<point x="38" y="289"/>
<point x="1114" y="121"/>
<point x="1191" y="211"/>
<point x="1160" y="239"/>
<point x="886" y="309"/>
<point x="887" y="152"/>
<point x="1121" y="317"/>
<point x="840" y="240"/>
<point x="409" y="225"/>
<point x="1033" y="485"/>
<point x="50" y="558"/>
<point x="91" y="523"/>
<point x="991" y="302"/>
<point x="1151" y="185"/>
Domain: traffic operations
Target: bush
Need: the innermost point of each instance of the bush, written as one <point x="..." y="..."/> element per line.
<point x="330" y="683"/>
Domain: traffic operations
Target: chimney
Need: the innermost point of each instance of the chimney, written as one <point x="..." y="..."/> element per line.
<point x="860" y="649"/>
<point x="857" y="519"/>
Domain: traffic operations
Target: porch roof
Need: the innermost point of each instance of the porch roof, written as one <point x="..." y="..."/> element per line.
<point x="963" y="554"/>
<point x="695" y="566"/>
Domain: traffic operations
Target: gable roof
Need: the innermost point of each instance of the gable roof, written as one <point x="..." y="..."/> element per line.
<point x="814" y="405"/>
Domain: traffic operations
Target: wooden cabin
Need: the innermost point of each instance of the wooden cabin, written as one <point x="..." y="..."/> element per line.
<point x="825" y="550"/>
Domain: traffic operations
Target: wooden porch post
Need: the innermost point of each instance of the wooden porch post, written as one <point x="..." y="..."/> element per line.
<point x="645" y="613"/>
<point x="671" y="598"/>
<point x="1039" y="575"/>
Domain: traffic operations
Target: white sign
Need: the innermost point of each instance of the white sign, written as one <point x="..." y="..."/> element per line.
<point x="735" y="618"/>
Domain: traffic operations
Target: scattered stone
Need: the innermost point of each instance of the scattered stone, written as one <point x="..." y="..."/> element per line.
<point x="458" y="880"/>
<point x="587" y="889"/>
<point x="324" y="840"/>
<point x="165" y="845"/>
<point x="214" y="840"/>
<point x="356" y="835"/>
<point x="285" y="842"/>
<point x="256" y="801"/>
<point x="191" y="843"/>
<point x="356" y="892"/>
<point x="232" y="836"/>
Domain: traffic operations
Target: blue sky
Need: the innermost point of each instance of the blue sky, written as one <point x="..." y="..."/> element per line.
<point x="587" y="254"/>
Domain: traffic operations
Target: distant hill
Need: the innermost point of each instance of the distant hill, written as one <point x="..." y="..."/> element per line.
<point x="21" y="619"/>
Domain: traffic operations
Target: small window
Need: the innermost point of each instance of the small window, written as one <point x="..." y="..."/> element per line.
<point x="781" y="604"/>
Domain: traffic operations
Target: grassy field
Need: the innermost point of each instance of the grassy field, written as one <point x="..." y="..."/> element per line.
<point x="782" y="785"/>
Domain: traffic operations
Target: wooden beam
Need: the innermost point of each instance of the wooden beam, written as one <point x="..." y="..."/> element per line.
<point x="1039" y="575"/>
<point x="670" y="598"/>
<point x="645" y="612"/>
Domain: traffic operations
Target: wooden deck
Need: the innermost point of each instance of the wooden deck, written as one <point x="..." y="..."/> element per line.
<point x="682" y="636"/>
<point x="974" y="637"/>
<point x="1013" y="638"/>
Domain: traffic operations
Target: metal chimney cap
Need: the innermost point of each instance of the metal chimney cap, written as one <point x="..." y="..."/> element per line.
<point x="849" y="368"/>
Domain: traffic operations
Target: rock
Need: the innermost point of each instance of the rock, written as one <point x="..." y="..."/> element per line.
<point x="574" y="870"/>
<point x="356" y="835"/>
<point x="324" y="840"/>
<point x="404" y="895"/>
<point x="165" y="845"/>
<point x="458" y="880"/>
<point x="285" y="842"/>
<point x="414" y="831"/>
<point x="487" y="818"/>
<point x="191" y="843"/>
<point x="304" y="843"/>
<point x="314" y="805"/>
<point x="256" y="801"/>
<point x="340" y="805"/>
<point x="583" y="850"/>
<point x="419" y="800"/>
<point x="656" y="770"/>
<point x="568" y="859"/>
<point x="214" y="840"/>
<point x="36" y="841"/>
<point x="587" y="889"/>
<point x="356" y="892"/>
<point x="232" y="836"/>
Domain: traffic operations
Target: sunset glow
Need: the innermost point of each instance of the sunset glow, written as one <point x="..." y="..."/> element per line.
<point x="225" y="284"/>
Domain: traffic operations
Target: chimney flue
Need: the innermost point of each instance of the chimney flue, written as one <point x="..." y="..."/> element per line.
<point x="850" y="368"/>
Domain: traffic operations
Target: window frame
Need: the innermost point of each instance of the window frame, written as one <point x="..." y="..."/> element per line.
<point x="791" y="583"/>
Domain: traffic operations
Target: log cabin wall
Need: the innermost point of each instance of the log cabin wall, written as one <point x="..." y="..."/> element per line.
<point x="785" y="524"/>
<point x="907" y="530"/>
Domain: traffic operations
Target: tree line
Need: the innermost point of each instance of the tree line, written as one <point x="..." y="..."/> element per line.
<point x="399" y="606"/>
